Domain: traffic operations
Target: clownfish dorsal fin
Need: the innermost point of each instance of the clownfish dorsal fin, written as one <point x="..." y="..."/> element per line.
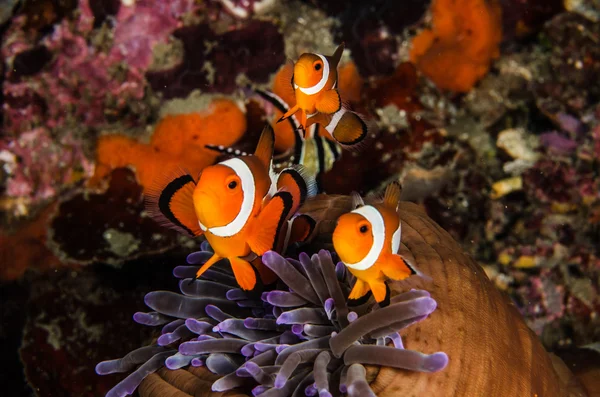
<point x="337" y="56"/>
<point x="357" y="201"/>
<point x="392" y="195"/>
<point x="264" y="149"/>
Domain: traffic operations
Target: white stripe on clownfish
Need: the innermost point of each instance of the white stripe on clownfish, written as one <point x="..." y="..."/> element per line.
<point x="373" y="216"/>
<point x="321" y="84"/>
<point x="396" y="238"/>
<point x="333" y="123"/>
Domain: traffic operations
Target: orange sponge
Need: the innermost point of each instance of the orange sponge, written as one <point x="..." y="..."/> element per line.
<point x="458" y="50"/>
<point x="178" y="141"/>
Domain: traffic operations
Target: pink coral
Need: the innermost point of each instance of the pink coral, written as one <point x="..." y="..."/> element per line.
<point x="38" y="165"/>
<point x="85" y="83"/>
<point x="139" y="28"/>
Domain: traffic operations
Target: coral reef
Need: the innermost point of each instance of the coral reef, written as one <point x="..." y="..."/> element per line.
<point x="301" y="338"/>
<point x="509" y="167"/>
<point x="38" y="166"/>
<point x="214" y="62"/>
<point x="126" y="235"/>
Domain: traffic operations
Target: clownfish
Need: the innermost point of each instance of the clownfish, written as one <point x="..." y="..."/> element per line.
<point x="316" y="153"/>
<point x="367" y="241"/>
<point x="241" y="208"/>
<point x="312" y="84"/>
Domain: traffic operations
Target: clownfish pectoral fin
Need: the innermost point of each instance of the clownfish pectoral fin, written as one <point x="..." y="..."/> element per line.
<point x="283" y="84"/>
<point x="329" y="102"/>
<point x="289" y="113"/>
<point x="297" y="181"/>
<point x="394" y="267"/>
<point x="391" y="196"/>
<point x="359" y="290"/>
<point x="211" y="261"/>
<point x="337" y="56"/>
<point x="169" y="200"/>
<point x="381" y="292"/>
<point x="244" y="273"/>
<point x="349" y="129"/>
<point x="267" y="226"/>
<point x="265" y="147"/>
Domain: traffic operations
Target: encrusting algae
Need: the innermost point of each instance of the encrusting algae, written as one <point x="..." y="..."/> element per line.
<point x="463" y="40"/>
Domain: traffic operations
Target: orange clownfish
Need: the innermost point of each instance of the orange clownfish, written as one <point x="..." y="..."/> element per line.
<point x="367" y="241"/>
<point x="312" y="82"/>
<point x="239" y="207"/>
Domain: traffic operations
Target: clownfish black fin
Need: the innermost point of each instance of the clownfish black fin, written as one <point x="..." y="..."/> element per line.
<point x="169" y="201"/>
<point x="330" y="102"/>
<point x="268" y="225"/>
<point x="303" y="227"/>
<point x="360" y="301"/>
<point x="265" y="147"/>
<point x="337" y="55"/>
<point x="299" y="183"/>
<point x="391" y="196"/>
<point x="357" y="200"/>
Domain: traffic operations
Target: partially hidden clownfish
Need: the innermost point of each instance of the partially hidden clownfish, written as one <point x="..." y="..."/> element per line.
<point x="315" y="152"/>
<point x="311" y="86"/>
<point x="367" y="241"/>
<point x="240" y="207"/>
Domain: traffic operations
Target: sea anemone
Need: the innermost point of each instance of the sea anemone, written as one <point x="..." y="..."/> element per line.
<point x="300" y="338"/>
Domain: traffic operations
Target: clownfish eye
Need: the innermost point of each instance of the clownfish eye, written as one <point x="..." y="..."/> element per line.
<point x="363" y="229"/>
<point x="318" y="66"/>
<point x="232" y="185"/>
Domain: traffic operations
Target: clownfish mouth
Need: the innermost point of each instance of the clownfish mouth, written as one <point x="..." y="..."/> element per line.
<point x="210" y="210"/>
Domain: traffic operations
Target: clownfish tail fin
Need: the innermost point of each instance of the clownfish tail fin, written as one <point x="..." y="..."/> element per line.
<point x="169" y="201"/>
<point x="337" y="55"/>
<point x="391" y="196"/>
<point x="348" y="128"/>
<point x="299" y="182"/>
<point x="265" y="147"/>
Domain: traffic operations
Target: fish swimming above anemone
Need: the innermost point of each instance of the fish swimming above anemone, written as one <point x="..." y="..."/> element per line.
<point x="367" y="240"/>
<point x="309" y="86"/>
<point x="241" y="209"/>
<point x="314" y="150"/>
